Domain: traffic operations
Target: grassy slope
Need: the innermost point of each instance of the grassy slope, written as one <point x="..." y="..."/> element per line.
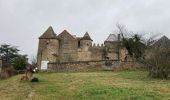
<point x="87" y="86"/>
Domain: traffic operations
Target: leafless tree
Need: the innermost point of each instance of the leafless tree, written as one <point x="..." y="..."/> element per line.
<point x="33" y="61"/>
<point x="158" y="62"/>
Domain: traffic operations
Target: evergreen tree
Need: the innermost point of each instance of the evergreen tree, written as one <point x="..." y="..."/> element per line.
<point x="7" y="53"/>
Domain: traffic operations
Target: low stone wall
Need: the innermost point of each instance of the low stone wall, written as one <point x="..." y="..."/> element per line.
<point x="83" y="66"/>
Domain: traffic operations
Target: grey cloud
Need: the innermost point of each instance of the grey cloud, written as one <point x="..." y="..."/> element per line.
<point x="23" y="21"/>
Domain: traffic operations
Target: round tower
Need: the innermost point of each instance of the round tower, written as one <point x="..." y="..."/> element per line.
<point x="47" y="48"/>
<point x="86" y="42"/>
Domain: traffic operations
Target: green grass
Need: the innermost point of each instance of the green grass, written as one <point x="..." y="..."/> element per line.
<point x="125" y="85"/>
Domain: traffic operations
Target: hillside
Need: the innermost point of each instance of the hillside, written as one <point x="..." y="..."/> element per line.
<point x="86" y="86"/>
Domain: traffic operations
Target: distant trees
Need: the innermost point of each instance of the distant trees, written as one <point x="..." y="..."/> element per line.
<point x="34" y="61"/>
<point x="7" y="53"/>
<point x="157" y="59"/>
<point x="132" y="42"/>
<point x="134" y="46"/>
<point x="20" y="62"/>
<point x="10" y="56"/>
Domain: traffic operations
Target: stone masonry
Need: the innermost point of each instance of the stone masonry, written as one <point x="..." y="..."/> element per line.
<point x="66" y="47"/>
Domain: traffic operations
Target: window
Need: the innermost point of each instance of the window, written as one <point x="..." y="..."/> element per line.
<point x="78" y="44"/>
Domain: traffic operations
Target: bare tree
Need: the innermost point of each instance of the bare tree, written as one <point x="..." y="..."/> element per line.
<point x="158" y="63"/>
<point x="132" y="42"/>
<point x="33" y="61"/>
<point x="121" y="29"/>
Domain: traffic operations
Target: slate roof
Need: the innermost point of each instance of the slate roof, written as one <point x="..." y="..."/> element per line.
<point x="86" y="37"/>
<point x="64" y="33"/>
<point x="162" y="42"/>
<point x="112" y="38"/>
<point x="48" y="34"/>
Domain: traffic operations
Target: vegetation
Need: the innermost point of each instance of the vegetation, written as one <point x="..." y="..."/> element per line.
<point x="156" y="58"/>
<point x="134" y="46"/>
<point x="11" y="61"/>
<point x="158" y="63"/>
<point x="128" y="85"/>
<point x="34" y="62"/>
<point x="19" y="63"/>
<point x="10" y="56"/>
<point x="133" y="43"/>
<point x="8" y="53"/>
<point x="7" y="72"/>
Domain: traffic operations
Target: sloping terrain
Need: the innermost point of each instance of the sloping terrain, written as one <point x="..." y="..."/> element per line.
<point x="87" y="86"/>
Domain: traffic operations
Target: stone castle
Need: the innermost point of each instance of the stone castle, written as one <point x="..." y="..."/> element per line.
<point x="66" y="47"/>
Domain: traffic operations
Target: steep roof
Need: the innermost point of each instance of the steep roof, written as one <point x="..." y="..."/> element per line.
<point x="48" y="34"/>
<point x="65" y="32"/>
<point x="112" y="38"/>
<point x="86" y="37"/>
<point x="162" y="42"/>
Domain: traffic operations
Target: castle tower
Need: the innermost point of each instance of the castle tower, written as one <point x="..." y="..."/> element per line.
<point x="86" y="42"/>
<point x="112" y="46"/>
<point x="47" y="48"/>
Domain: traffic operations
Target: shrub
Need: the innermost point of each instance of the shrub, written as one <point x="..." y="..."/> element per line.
<point x="158" y="62"/>
<point x="19" y="63"/>
<point x="34" y="79"/>
<point x="6" y="72"/>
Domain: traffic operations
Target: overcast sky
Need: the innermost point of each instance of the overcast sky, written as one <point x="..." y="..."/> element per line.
<point x="23" y="21"/>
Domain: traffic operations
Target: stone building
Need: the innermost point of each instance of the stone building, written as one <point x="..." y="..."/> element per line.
<point x="163" y="42"/>
<point x="65" y="47"/>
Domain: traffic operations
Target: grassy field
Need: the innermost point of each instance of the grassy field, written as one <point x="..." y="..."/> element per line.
<point x="126" y="85"/>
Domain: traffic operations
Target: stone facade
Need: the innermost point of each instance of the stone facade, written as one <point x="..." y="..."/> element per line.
<point x="83" y="66"/>
<point x="66" y="47"/>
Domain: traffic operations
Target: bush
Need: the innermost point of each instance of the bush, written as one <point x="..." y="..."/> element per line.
<point x="19" y="63"/>
<point x="6" y="72"/>
<point x="158" y="62"/>
<point x="34" y="79"/>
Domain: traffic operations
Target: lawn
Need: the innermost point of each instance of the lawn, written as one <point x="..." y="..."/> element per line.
<point x="104" y="85"/>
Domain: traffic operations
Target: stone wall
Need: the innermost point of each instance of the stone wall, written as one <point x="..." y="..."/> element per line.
<point x="47" y="50"/>
<point x="83" y="66"/>
<point x="97" y="53"/>
<point x="83" y="55"/>
<point x="67" y="47"/>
